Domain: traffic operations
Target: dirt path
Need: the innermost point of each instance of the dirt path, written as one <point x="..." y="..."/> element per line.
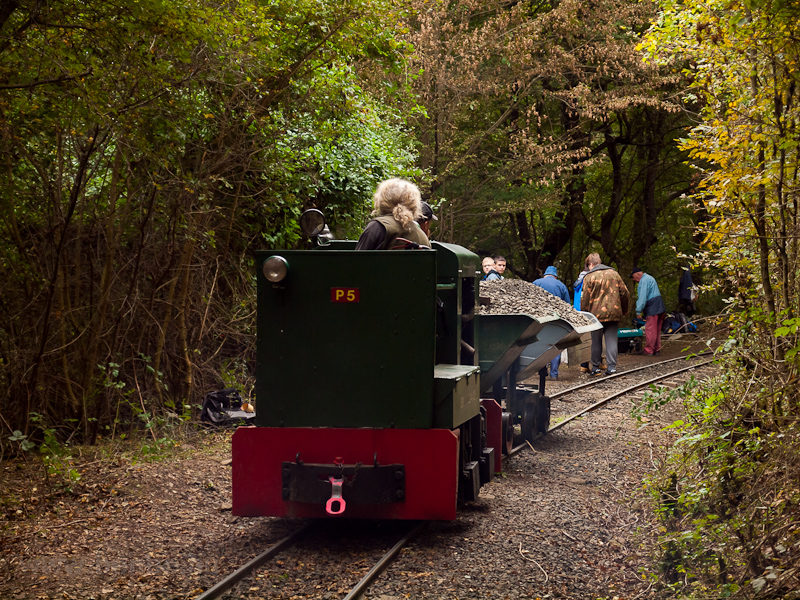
<point x="562" y="521"/>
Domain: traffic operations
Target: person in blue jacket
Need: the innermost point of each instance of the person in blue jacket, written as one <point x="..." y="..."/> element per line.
<point x="577" y="288"/>
<point x="488" y="267"/>
<point x="551" y="284"/>
<point x="650" y="306"/>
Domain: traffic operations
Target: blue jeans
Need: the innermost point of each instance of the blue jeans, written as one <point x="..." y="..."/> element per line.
<point x="554" y="365"/>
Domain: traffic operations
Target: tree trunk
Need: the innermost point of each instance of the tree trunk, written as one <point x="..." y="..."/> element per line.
<point x="75" y="193"/>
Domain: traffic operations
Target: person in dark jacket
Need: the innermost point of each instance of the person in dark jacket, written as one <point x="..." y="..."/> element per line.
<point x="550" y="283"/>
<point x="577" y="289"/>
<point x="398" y="205"/>
<point x="649" y="306"/>
<point x="687" y="293"/>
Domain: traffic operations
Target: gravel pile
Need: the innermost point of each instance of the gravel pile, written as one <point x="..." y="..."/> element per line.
<point x="509" y="296"/>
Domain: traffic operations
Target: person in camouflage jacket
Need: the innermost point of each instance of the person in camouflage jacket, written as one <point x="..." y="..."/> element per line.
<point x="605" y="295"/>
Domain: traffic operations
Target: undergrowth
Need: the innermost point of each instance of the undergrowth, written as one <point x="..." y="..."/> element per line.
<point x="54" y="480"/>
<point x="60" y="461"/>
<point x="728" y="494"/>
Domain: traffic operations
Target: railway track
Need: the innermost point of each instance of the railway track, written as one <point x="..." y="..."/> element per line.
<point x="642" y="379"/>
<point x="674" y="372"/>
<point x="248" y="569"/>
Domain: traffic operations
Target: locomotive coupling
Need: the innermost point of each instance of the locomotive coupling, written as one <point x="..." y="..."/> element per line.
<point x="335" y="504"/>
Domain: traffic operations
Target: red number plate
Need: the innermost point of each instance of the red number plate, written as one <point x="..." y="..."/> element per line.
<point x="344" y="294"/>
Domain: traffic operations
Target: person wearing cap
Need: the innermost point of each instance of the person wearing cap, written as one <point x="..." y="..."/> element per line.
<point x="605" y="295"/>
<point x="398" y="205"/>
<point x="550" y="283"/>
<point x="649" y="306"/>
<point x="426" y="217"/>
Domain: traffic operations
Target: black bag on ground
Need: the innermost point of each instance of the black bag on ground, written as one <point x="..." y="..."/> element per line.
<point x="217" y="405"/>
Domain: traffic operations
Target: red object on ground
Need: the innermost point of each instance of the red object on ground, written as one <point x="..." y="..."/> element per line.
<point x="430" y="457"/>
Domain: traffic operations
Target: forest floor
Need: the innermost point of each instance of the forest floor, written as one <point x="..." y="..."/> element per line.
<point x="566" y="520"/>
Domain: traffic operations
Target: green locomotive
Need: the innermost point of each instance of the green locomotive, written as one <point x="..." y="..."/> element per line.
<point x="367" y="387"/>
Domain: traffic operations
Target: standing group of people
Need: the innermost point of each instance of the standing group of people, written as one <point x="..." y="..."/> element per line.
<point x="601" y="291"/>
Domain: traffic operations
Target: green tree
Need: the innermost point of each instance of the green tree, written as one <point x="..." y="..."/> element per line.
<point x="543" y="120"/>
<point x="731" y="520"/>
<point x="148" y="148"/>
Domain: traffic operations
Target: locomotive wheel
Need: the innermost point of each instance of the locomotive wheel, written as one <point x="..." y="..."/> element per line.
<point x="508" y="432"/>
<point x="529" y="413"/>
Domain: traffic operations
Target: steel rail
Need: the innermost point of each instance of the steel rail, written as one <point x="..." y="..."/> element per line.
<point x="608" y="399"/>
<point x="361" y="587"/>
<point x="624" y="373"/>
<point x="223" y="586"/>
<point x="626" y="391"/>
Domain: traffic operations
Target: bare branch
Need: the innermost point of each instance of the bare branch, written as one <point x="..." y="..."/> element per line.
<point x="41" y="82"/>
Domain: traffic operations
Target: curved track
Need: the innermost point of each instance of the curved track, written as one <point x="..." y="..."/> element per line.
<point x="602" y="380"/>
<point x="219" y="589"/>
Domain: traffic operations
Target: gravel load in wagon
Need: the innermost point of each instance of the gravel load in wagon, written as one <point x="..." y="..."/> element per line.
<point x="524" y="326"/>
<point x="509" y="296"/>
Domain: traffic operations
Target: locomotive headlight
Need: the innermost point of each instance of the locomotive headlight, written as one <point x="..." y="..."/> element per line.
<point x="275" y="269"/>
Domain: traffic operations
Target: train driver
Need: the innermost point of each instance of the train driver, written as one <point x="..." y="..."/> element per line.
<point x="398" y="205"/>
<point x="425" y="219"/>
